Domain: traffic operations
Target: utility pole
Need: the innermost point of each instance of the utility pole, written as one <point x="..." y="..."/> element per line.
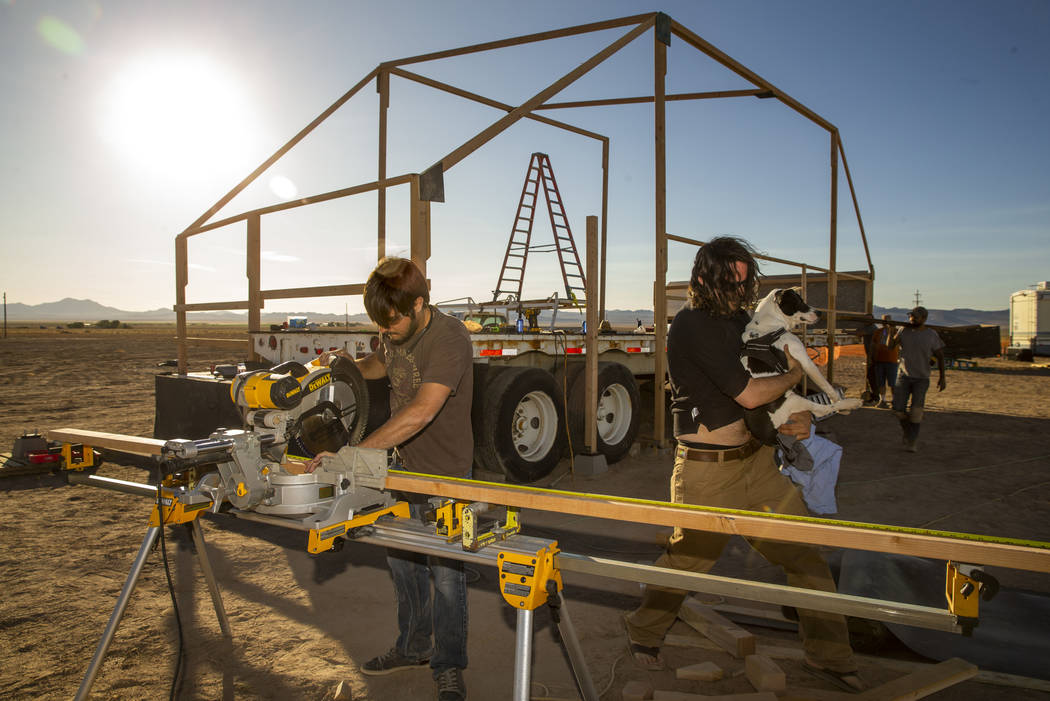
<point x="5" y="315"/>
<point x="918" y="299"/>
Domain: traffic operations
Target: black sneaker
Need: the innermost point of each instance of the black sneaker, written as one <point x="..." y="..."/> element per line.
<point x="391" y="661"/>
<point x="450" y="685"/>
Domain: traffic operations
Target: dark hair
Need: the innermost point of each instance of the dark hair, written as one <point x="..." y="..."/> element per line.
<point x="721" y="293"/>
<point x="392" y="289"/>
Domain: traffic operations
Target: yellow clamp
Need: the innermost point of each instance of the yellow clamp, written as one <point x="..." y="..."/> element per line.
<point x="175" y="510"/>
<point x="77" y="456"/>
<point x="523" y="578"/>
<point x="965" y="585"/>
<point x="474" y="539"/>
<point x="323" y="539"/>
<point x="449" y="519"/>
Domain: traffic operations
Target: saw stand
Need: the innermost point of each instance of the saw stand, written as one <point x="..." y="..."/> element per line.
<point x="528" y="576"/>
<point x="174" y="512"/>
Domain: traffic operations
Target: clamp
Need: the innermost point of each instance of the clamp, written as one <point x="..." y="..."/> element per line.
<point x="962" y="582"/>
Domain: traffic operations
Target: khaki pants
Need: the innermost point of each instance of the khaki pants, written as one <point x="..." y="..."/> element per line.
<point x="754" y="484"/>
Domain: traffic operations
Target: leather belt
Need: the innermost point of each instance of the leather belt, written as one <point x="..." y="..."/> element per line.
<point x="699" y="455"/>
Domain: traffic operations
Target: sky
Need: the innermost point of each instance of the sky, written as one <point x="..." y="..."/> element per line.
<point x="121" y="122"/>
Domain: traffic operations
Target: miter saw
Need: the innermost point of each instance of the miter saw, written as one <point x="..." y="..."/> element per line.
<point x="291" y="413"/>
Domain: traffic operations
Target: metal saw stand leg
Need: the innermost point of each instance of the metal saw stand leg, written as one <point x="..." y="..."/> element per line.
<point x="523" y="653"/>
<point x="129" y="586"/>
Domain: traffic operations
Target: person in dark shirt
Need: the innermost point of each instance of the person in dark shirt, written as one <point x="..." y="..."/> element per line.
<point x="719" y="463"/>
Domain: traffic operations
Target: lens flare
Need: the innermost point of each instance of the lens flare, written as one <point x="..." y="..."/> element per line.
<point x="60" y="35"/>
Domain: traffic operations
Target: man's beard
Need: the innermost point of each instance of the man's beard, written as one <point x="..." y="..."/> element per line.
<point x="413" y="326"/>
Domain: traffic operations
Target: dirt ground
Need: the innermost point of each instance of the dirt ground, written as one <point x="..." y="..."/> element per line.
<point x="301" y="624"/>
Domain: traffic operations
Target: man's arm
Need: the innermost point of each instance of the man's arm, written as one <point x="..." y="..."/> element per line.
<point x="370" y="366"/>
<point x="411" y="419"/>
<point x="939" y="355"/>
<point x="762" y="390"/>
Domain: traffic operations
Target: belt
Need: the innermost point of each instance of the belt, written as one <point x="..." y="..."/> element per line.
<point x="728" y="455"/>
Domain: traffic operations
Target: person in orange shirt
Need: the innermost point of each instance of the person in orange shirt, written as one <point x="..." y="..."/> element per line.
<point x="883" y="356"/>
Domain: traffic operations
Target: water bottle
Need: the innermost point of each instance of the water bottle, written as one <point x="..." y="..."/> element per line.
<point x="521" y="325"/>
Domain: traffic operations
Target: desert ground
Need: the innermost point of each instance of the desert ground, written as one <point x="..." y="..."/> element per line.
<point x="302" y="624"/>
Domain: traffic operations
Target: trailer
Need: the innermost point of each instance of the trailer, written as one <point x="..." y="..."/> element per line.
<point x="1030" y="322"/>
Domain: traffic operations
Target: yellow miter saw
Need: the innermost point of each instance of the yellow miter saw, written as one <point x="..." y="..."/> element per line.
<point x="291" y="413"/>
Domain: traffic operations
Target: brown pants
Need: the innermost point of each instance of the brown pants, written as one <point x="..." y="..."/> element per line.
<point x="754" y="484"/>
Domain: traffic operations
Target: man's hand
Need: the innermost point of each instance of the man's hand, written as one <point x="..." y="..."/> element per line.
<point x="798" y="425"/>
<point x="315" y="462"/>
<point x="327" y="357"/>
<point x="941" y="384"/>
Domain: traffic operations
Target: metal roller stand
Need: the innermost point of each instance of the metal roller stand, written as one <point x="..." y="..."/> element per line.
<point x="523" y="656"/>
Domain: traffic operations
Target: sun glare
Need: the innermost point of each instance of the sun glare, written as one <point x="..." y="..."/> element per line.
<point x="178" y="115"/>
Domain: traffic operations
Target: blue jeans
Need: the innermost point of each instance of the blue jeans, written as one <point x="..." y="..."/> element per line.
<point x="418" y="616"/>
<point x="885" y="374"/>
<point x="914" y="386"/>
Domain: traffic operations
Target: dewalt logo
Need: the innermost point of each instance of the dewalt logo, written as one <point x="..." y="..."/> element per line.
<point x="293" y="392"/>
<point x="319" y="382"/>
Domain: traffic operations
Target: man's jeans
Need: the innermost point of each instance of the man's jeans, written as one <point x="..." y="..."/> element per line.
<point x="418" y="615"/>
<point x="885" y="374"/>
<point x="916" y="387"/>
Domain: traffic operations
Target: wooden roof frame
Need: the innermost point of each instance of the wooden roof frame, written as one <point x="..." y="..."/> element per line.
<point x="427" y="185"/>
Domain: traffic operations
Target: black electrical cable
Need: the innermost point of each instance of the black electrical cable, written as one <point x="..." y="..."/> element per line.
<point x="176" y="679"/>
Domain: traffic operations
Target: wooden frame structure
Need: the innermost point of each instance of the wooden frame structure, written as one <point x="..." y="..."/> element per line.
<point x="427" y="185"/>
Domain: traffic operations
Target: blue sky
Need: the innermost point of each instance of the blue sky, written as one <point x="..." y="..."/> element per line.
<point x="122" y="122"/>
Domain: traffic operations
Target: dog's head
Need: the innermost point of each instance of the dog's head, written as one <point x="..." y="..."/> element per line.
<point x="788" y="306"/>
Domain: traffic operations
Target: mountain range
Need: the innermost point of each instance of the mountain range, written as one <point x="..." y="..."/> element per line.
<point x="69" y="310"/>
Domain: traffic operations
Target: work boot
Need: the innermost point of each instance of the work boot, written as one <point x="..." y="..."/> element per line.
<point x="450" y="684"/>
<point x="391" y="661"/>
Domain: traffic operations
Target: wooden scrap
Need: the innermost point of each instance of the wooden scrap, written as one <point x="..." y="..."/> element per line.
<point x="734" y="640"/>
<point x="764" y="674"/>
<point x="636" y="691"/>
<point x="692" y="639"/>
<point x="343" y="692"/>
<point x="704" y="672"/>
<point x="923" y="682"/>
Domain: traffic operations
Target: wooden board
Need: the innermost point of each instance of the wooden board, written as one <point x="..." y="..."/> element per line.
<point x="733" y="639"/>
<point x="748" y="524"/>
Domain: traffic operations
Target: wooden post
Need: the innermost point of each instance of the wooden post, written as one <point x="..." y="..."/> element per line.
<point x="253" y="271"/>
<point x="383" y="88"/>
<point x="419" y="226"/>
<point x="591" y="362"/>
<point x="605" y="223"/>
<point x="181" y="279"/>
<point x="833" y="280"/>
<point x="660" y="210"/>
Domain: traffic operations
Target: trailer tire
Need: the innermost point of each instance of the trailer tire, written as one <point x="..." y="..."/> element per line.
<point x="619" y="409"/>
<point x="521" y="425"/>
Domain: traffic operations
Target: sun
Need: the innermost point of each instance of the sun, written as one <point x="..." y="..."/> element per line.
<point x="177" y="114"/>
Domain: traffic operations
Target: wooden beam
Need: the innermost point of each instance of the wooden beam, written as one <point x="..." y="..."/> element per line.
<point x="383" y="87"/>
<point x="660" y="224"/>
<point x="302" y="202"/>
<point x="253" y="270"/>
<point x="212" y="306"/>
<point x="453" y="90"/>
<point x="833" y="281"/>
<point x="922" y="682"/>
<point x="525" y="39"/>
<point x="590" y="384"/>
<point x="856" y="206"/>
<point x="648" y="99"/>
<point x="181" y="280"/>
<point x="542" y="96"/>
<point x="321" y="291"/>
<point x="960" y="547"/>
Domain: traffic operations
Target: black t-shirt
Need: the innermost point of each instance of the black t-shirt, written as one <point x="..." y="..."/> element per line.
<point x="703" y="358"/>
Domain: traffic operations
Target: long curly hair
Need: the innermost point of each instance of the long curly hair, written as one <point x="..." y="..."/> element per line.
<point x="721" y="294"/>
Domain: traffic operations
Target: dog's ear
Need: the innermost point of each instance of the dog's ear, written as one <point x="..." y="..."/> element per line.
<point x="791" y="302"/>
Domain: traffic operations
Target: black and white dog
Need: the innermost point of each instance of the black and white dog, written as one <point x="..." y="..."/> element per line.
<point x="768" y="337"/>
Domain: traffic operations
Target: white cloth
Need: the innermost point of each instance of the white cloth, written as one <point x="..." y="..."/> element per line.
<point x="818" y="484"/>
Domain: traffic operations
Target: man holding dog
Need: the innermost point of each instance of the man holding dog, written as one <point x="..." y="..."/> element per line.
<point x="427" y="356"/>
<point x="719" y="463"/>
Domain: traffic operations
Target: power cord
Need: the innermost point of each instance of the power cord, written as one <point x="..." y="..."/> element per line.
<point x="176" y="679"/>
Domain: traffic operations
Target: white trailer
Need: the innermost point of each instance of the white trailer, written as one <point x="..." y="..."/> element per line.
<point x="1030" y="321"/>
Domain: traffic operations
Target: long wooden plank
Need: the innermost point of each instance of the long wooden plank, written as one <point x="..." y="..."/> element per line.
<point x="922" y="682"/>
<point x="960" y="547"/>
<point x="709" y="95"/>
<point x="321" y="291"/>
<point x="135" y="445"/>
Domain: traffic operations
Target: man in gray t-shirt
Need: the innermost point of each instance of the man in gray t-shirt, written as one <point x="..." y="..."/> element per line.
<point x="918" y="343"/>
